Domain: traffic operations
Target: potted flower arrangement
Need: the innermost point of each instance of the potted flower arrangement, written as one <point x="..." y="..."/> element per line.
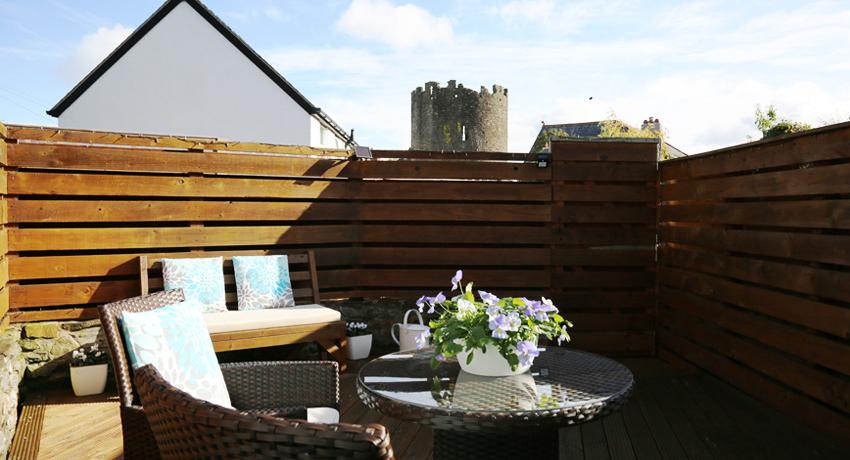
<point x="359" y="340"/>
<point x="88" y="370"/>
<point x="490" y="336"/>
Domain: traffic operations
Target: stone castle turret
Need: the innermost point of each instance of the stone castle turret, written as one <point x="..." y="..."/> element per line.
<point x="458" y="118"/>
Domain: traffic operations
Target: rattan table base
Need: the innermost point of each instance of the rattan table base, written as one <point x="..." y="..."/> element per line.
<point x="541" y="443"/>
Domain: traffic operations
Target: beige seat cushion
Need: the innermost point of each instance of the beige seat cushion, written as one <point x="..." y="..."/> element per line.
<point x="245" y="320"/>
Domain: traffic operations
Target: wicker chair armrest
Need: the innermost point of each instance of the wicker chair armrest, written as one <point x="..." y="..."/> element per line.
<point x="269" y="385"/>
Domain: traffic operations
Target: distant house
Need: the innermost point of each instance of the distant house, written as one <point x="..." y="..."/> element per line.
<point x="590" y="129"/>
<point x="183" y="71"/>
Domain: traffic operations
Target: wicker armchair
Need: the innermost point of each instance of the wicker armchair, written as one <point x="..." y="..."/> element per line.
<point x="189" y="428"/>
<point x="282" y="389"/>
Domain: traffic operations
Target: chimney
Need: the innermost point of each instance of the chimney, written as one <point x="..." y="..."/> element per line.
<point x="651" y="124"/>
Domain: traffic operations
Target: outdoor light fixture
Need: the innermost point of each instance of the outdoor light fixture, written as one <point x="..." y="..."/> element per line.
<point x="543" y="159"/>
<point x="361" y="152"/>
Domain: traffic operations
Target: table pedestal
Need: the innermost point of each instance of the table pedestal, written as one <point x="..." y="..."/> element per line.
<point x="534" y="443"/>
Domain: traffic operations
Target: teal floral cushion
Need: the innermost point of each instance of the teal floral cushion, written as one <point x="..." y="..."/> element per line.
<point x="175" y="340"/>
<point x="202" y="280"/>
<point x="263" y="282"/>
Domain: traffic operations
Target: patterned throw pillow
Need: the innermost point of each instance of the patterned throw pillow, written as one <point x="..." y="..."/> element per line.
<point x="263" y="282"/>
<point x="174" y="339"/>
<point x="202" y="280"/>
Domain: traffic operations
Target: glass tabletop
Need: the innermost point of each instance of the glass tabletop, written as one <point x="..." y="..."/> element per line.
<point x="559" y="379"/>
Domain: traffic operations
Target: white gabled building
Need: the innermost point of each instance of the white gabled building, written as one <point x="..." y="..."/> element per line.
<point x="184" y="72"/>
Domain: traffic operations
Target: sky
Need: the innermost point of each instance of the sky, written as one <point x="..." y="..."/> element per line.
<point x="700" y="67"/>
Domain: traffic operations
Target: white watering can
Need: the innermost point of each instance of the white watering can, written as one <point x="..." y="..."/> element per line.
<point x="407" y="332"/>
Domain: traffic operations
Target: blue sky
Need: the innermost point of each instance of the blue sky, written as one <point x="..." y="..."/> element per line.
<point x="699" y="66"/>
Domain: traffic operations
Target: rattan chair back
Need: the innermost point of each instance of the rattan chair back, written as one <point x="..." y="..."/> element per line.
<point x="188" y="428"/>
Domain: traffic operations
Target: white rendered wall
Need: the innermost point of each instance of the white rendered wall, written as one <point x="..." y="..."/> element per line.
<point x="330" y="139"/>
<point x="183" y="77"/>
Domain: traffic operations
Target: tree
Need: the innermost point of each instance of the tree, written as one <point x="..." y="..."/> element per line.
<point x="770" y="124"/>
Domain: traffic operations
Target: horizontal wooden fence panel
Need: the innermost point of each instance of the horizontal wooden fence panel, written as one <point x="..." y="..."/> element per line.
<point x="755" y="270"/>
<point x="24" y="211"/>
<point x="825" y="144"/>
<point x="603" y="256"/>
<point x="94" y="158"/>
<point x="75" y="184"/>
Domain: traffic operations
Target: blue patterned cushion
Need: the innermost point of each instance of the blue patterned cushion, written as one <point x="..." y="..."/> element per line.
<point x="201" y="279"/>
<point x="175" y="340"/>
<point x="263" y="282"/>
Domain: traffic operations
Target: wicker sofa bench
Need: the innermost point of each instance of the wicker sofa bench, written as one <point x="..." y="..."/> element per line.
<point x="308" y="321"/>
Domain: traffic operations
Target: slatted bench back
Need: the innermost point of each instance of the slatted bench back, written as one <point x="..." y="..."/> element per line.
<point x="302" y="273"/>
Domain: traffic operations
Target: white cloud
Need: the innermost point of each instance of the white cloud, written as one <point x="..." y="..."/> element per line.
<point x="92" y="49"/>
<point x="558" y="17"/>
<point x="399" y="26"/>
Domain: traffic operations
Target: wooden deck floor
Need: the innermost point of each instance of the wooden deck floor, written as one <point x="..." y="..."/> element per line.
<point x="674" y="414"/>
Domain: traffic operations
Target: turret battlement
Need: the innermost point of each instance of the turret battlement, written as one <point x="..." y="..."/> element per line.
<point x="455" y="118"/>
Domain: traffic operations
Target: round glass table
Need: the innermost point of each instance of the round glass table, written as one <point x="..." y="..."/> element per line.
<point x="496" y="417"/>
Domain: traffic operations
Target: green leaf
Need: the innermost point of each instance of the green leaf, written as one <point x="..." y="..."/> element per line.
<point x="558" y="318"/>
<point x="469" y="287"/>
<point x="469" y="358"/>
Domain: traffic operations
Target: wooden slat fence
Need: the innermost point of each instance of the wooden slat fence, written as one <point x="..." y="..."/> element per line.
<point x="84" y="205"/>
<point x="755" y="270"/>
<point x="603" y="256"/>
<point x="4" y="237"/>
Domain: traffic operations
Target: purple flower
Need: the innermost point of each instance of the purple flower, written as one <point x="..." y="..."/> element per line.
<point x="531" y="306"/>
<point x="549" y="305"/>
<point x="500" y="327"/>
<point x="526" y="351"/>
<point x="513" y="321"/>
<point x="456" y="280"/>
<point x="422" y="339"/>
<point x="493" y="311"/>
<point x="421" y="302"/>
<point x="440" y="357"/>
<point x="439" y="298"/>
<point x="564" y="335"/>
<point x="488" y="298"/>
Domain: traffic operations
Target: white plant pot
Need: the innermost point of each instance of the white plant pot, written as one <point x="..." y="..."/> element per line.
<point x="359" y="347"/>
<point x="89" y="380"/>
<point x="489" y="364"/>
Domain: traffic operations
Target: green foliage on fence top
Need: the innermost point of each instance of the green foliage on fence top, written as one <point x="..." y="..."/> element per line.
<point x="612" y="127"/>
<point x="544" y="139"/>
<point x="770" y="124"/>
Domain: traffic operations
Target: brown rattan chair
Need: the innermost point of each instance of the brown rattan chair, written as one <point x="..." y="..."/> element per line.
<point x="190" y="428"/>
<point x="280" y="388"/>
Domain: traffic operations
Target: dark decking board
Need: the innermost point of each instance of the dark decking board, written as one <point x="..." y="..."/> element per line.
<point x="674" y="414"/>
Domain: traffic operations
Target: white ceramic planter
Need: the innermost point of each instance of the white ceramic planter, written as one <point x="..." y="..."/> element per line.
<point x="89" y="380"/>
<point x="489" y="364"/>
<point x="359" y="347"/>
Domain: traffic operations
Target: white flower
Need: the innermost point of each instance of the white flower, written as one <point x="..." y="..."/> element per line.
<point x="465" y="308"/>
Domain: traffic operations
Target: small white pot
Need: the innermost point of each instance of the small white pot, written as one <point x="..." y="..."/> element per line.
<point x="89" y="380"/>
<point x="489" y="364"/>
<point x="359" y="347"/>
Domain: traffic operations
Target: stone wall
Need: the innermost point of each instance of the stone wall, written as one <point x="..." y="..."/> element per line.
<point x="47" y="348"/>
<point x="460" y="119"/>
<point x="12" y="365"/>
